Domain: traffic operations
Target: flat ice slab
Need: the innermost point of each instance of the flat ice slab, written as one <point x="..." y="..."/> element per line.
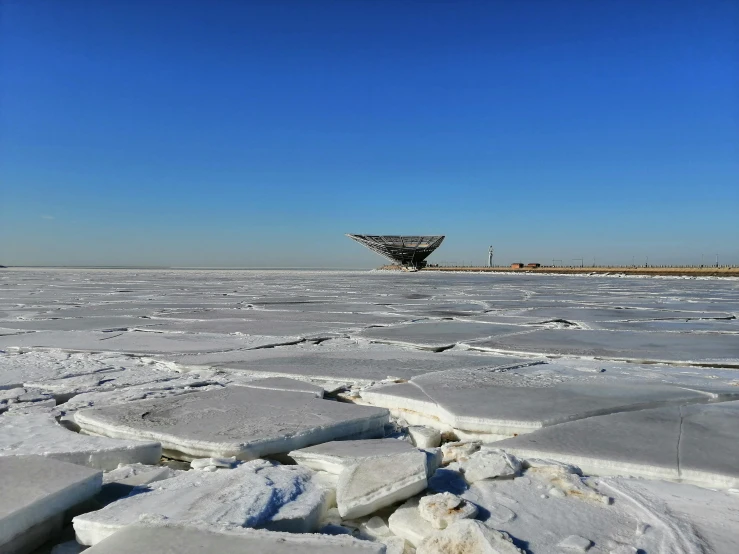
<point x="336" y="456"/>
<point x="40" y="434"/>
<point x="257" y="494"/>
<point x="695" y="348"/>
<point x="509" y="403"/>
<point x="436" y="335"/>
<point x="285" y="384"/>
<point x="235" y="421"/>
<point x="192" y="540"/>
<point x="694" y="443"/>
<point x="141" y="342"/>
<point x="33" y="492"/>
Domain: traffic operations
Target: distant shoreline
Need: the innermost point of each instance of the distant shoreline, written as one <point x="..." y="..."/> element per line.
<point x="648" y="271"/>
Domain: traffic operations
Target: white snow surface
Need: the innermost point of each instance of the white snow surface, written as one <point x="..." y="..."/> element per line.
<point x="256" y="494"/>
<point x="632" y="376"/>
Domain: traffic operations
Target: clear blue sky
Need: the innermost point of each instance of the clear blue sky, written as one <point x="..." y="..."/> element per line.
<point x="238" y="133"/>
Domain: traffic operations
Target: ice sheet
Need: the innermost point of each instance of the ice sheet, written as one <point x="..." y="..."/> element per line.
<point x="693" y="443"/>
<point x="234" y="421"/>
<point x="506" y="403"/>
<point x="691" y="348"/>
<point x="436" y="335"/>
<point x="575" y="319"/>
<point x="196" y="540"/>
<point x="40" y="434"/>
<point x="342" y="359"/>
<point x="141" y="342"/>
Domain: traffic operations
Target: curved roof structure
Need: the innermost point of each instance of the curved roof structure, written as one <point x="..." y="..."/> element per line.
<point x="409" y="251"/>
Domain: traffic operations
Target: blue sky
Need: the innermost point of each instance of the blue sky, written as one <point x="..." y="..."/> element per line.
<point x="237" y="133"/>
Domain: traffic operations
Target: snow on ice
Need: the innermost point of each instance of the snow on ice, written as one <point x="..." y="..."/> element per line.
<point x="573" y="413"/>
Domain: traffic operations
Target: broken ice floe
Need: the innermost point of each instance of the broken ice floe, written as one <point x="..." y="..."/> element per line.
<point x="163" y="536"/>
<point x="285" y="384"/>
<point x="234" y="421"/>
<point x="470" y="535"/>
<point x="694" y="443"/>
<point x="436" y="335"/>
<point x="40" y="434"/>
<point x="35" y="494"/>
<point x="496" y="405"/>
<point x="142" y="342"/>
<point x="443" y="509"/>
<point x="690" y="348"/>
<point x="372" y="474"/>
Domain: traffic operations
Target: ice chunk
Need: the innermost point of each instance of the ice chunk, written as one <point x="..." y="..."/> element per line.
<point x="406" y="522"/>
<point x="372" y="473"/>
<point x="424" y="437"/>
<point x="459" y="451"/>
<point x="35" y="493"/>
<point x="285" y="384"/>
<point x="443" y="509"/>
<point x="255" y="494"/>
<point x="489" y="463"/>
<point x="336" y="456"/>
<point x="394" y="545"/>
<point x="376" y="527"/>
<point x="376" y="482"/>
<point x="234" y="421"/>
<point x="470" y="537"/>
<point x="195" y="540"/>
<point x="434" y="460"/>
<point x="40" y="434"/>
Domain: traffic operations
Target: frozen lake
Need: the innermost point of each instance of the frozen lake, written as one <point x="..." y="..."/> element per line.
<point x="626" y="377"/>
